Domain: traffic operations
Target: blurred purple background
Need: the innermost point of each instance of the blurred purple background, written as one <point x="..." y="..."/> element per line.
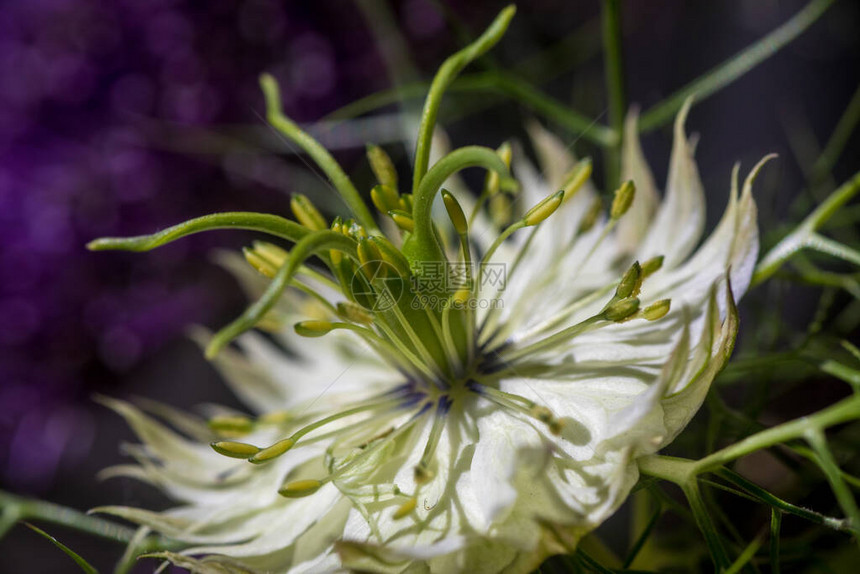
<point x="123" y="117"/>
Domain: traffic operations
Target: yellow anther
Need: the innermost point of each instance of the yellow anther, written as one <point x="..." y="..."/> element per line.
<point x="234" y="449"/>
<point x="272" y="322"/>
<point x="405" y="509"/>
<point x="337" y="225"/>
<point x="262" y="265"/>
<point x="275" y="255"/>
<point x="630" y="282"/>
<point x="406" y="202"/>
<point x="576" y="178"/>
<point x="657" y="310"/>
<point x="423" y="474"/>
<point x="371" y="260"/>
<point x="492" y="182"/>
<point x="544" y="415"/>
<point x="500" y="209"/>
<point x="355" y="313"/>
<point x="623" y="199"/>
<point x="231" y="424"/>
<point x="384" y="198"/>
<point x="275" y="417"/>
<point x="306" y="213"/>
<point x="403" y="220"/>
<point x="383" y="168"/>
<point x="621" y="310"/>
<point x="313" y="328"/>
<point x="391" y="255"/>
<point x="455" y="212"/>
<point x="300" y="488"/>
<point x="651" y="266"/>
<point x="543" y="209"/>
<point x="460" y="298"/>
<point x="591" y="216"/>
<point x="273" y="451"/>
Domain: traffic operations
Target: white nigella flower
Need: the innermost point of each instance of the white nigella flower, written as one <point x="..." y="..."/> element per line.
<point x="417" y="425"/>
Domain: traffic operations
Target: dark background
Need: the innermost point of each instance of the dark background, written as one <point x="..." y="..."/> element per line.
<point x="124" y="117"/>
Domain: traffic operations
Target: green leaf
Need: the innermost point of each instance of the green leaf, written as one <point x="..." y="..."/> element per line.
<point x="84" y="565"/>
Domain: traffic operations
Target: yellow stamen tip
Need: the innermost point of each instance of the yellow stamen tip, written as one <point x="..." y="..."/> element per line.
<point x="621" y="310"/>
<point x="576" y="178"/>
<point x="543" y="209"/>
<point x="590" y="218"/>
<point x="234" y="449"/>
<point x="651" y="266"/>
<point x="405" y="509"/>
<point x="383" y="168"/>
<point x="306" y="213"/>
<point x="235" y="425"/>
<point x="300" y="488"/>
<point x="623" y="199"/>
<point x="384" y="198"/>
<point x="455" y="212"/>
<point x="355" y="313"/>
<point x="403" y="220"/>
<point x="313" y="328"/>
<point x="657" y="310"/>
<point x="273" y="451"/>
<point x="630" y="281"/>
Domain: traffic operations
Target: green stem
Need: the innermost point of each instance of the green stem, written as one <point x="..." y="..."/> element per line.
<point x="815" y="438"/>
<point x="446" y="74"/>
<point x="422" y="244"/>
<point x="614" y="63"/>
<point x="805" y="232"/>
<point x="706" y="525"/>
<point x="735" y="67"/>
<point x="843" y="411"/>
<point x="271" y="224"/>
<point x="844" y="127"/>
<point x="17" y="508"/>
<point x="341" y="182"/>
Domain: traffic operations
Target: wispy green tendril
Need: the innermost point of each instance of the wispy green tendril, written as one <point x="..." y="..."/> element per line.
<point x="264" y="222"/>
